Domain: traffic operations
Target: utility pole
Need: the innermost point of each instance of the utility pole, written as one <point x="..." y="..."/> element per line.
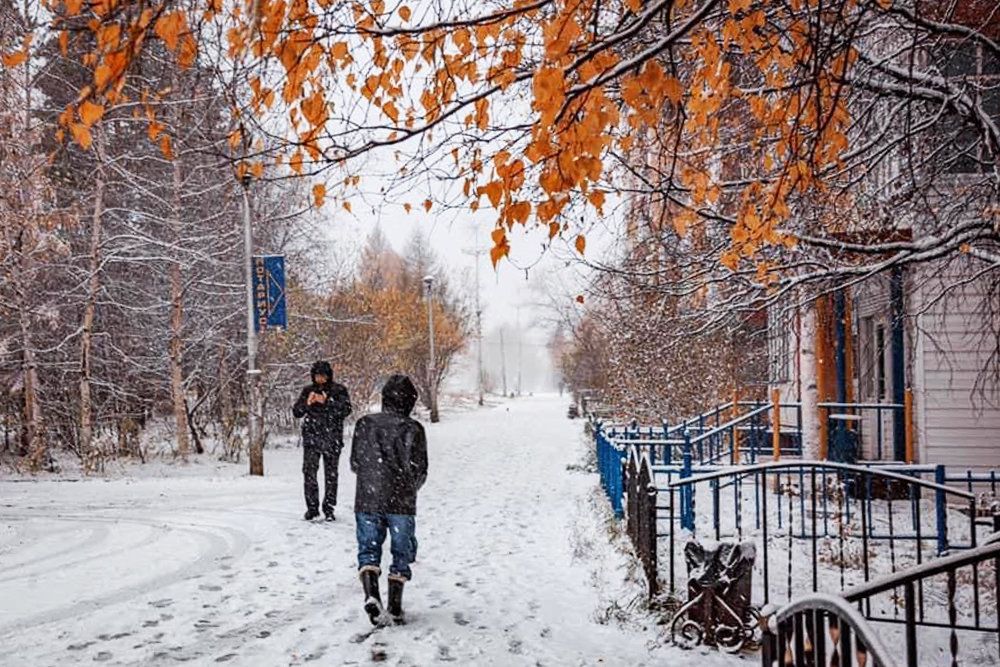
<point x="476" y="252"/>
<point x="479" y="335"/>
<point x="431" y="365"/>
<point x="520" y="338"/>
<point x="503" y="364"/>
<point x="254" y="417"/>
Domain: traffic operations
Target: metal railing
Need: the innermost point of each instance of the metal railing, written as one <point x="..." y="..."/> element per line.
<point x="928" y="607"/>
<point x="814" y="522"/>
<point x="809" y="629"/>
<point x="640" y="515"/>
<point x="610" y="460"/>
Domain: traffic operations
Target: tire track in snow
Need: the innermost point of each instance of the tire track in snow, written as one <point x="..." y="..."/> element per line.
<point x="96" y="535"/>
<point x="216" y="546"/>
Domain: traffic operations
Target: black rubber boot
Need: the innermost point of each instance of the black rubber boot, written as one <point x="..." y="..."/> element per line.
<point x="329" y="516"/>
<point x="396" y="600"/>
<point x="373" y="599"/>
<point x="311" y="514"/>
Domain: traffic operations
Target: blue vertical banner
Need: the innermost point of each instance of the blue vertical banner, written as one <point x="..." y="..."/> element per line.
<point x="269" y="293"/>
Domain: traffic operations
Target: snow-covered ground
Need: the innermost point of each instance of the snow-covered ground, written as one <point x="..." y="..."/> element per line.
<point x="201" y="563"/>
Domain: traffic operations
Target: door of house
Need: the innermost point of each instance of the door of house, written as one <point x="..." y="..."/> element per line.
<point x="874" y="371"/>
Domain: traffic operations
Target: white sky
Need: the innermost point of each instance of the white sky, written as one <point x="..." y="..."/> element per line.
<point x="513" y="296"/>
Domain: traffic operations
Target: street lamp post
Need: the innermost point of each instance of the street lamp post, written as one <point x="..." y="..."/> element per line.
<point x="431" y="364"/>
<point x="254" y="416"/>
<point x="479" y="336"/>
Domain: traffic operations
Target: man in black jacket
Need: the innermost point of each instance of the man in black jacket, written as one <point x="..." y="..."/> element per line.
<point x="324" y="404"/>
<point x="389" y="456"/>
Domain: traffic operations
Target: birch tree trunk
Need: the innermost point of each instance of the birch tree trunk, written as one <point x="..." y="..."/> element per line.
<point x="90" y="457"/>
<point x="810" y="388"/>
<point x="32" y="437"/>
<point x="177" y="323"/>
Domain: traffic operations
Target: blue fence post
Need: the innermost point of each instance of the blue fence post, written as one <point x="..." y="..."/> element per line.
<point x="941" y="511"/>
<point x="616" y="503"/>
<point x="601" y="454"/>
<point x="687" y="493"/>
<point x="668" y="454"/>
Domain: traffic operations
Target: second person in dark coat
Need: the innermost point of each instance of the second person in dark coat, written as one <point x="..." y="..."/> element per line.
<point x="389" y="455"/>
<point x="322" y="406"/>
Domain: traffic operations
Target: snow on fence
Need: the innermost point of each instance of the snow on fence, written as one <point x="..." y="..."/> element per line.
<point x="816" y="525"/>
<point x="941" y="612"/>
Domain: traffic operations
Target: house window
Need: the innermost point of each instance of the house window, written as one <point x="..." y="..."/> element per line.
<point x="777" y="345"/>
<point x="975" y="70"/>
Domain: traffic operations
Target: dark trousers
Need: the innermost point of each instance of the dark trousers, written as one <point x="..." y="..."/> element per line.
<point x="310" y="466"/>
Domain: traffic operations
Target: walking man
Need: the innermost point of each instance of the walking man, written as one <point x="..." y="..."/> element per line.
<point x="322" y="406"/>
<point x="389" y="456"/>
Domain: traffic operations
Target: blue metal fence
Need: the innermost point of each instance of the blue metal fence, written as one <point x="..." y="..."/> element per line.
<point x="610" y="462"/>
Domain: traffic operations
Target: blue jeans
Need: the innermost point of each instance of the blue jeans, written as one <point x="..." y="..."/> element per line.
<point x="371" y="530"/>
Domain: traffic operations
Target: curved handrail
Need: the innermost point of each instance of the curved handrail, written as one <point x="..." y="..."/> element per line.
<point x="745" y="470"/>
<point x="845" y="612"/>
<point x="634" y="441"/>
<point x="933" y="567"/>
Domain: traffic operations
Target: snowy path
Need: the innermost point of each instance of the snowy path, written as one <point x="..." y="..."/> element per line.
<point x="206" y="565"/>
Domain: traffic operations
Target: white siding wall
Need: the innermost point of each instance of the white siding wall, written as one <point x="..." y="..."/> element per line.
<point x="957" y="395"/>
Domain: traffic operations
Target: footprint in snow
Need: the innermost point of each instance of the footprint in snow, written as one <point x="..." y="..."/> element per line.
<point x="379" y="653"/>
<point x="460" y="619"/>
<point x="79" y="647"/>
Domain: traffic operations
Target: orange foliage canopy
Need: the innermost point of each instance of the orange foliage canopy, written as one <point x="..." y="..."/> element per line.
<point x="599" y="76"/>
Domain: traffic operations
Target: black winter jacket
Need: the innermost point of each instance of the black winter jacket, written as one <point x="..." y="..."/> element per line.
<point x="323" y="426"/>
<point x="389" y="453"/>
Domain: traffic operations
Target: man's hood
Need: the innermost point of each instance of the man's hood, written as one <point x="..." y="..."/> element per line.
<point x="321" y="368"/>
<point x="399" y="395"/>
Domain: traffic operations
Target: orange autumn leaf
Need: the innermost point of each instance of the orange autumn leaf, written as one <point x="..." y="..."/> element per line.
<point x="319" y="194"/>
<point x="482" y="113"/>
<point x="405" y="13"/>
<point x="347" y="206"/>
<point x="338" y="50"/>
<point x="493" y="190"/>
<point x="170" y="27"/>
<point x="81" y="135"/>
<point x="581" y="243"/>
<point x="428" y="204"/>
<point x="296" y="162"/>
<point x="596" y="197"/>
<point x="166" y="147"/>
<point x="12" y="60"/>
<point x="500" y="248"/>
<point x="90" y="113"/>
<point x="519" y="212"/>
